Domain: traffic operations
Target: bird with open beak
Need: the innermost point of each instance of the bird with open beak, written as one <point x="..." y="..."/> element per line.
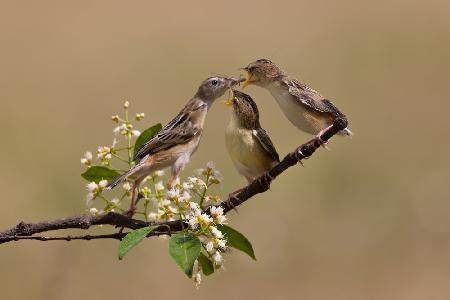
<point x="249" y="146"/>
<point x="178" y="140"/>
<point x="306" y="108"/>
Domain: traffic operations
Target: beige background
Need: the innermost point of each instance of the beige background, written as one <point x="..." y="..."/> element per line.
<point x="367" y="220"/>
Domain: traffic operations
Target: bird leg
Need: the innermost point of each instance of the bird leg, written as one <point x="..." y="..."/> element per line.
<point x="177" y="167"/>
<point x="135" y="197"/>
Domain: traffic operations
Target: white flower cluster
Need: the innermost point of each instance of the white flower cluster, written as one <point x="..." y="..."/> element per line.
<point x="184" y="200"/>
<point x="94" y="190"/>
<point x="105" y="153"/>
<point x="126" y="130"/>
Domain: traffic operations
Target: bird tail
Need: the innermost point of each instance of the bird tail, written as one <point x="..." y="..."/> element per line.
<point x="120" y="178"/>
<point x="347" y="132"/>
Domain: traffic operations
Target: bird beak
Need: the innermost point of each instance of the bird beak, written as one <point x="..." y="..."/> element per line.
<point x="248" y="78"/>
<point x="233" y="81"/>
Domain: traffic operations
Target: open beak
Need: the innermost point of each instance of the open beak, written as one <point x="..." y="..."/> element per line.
<point x="233" y="81"/>
<point x="247" y="80"/>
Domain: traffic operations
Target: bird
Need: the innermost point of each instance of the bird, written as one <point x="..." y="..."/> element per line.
<point x="248" y="144"/>
<point x="305" y="107"/>
<point x="178" y="140"/>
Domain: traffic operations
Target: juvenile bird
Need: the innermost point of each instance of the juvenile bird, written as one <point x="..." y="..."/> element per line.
<point x="178" y="140"/>
<point x="249" y="146"/>
<point x="306" y="108"/>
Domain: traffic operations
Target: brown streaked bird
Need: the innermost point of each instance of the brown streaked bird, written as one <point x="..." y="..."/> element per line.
<point x="249" y="146"/>
<point x="178" y="140"/>
<point x="306" y="108"/>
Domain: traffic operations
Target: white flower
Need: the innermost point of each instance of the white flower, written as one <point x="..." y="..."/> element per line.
<point x="216" y="211"/>
<point x="87" y="159"/>
<point x="216" y="232"/>
<point x="204" y="218"/>
<point x="210" y="246"/>
<point x="194" y="207"/>
<point x="187" y="186"/>
<point x="88" y="155"/>
<point x="197" y="278"/>
<point x="119" y="128"/>
<point x="217" y="258"/>
<point x="92" y="186"/>
<point x="221" y="219"/>
<point x="211" y="165"/>
<point x="165" y="202"/>
<point x="89" y="199"/>
<point x="93" y="211"/>
<point x="193" y="222"/>
<point x="126" y="186"/>
<point x="103" y="183"/>
<point x="173" y="193"/>
<point x="159" y="186"/>
<point x="217" y="214"/>
<point x="126" y="104"/>
<point x="197" y="181"/>
<point x="222" y="244"/>
<point x="185" y="196"/>
<point x="159" y="173"/>
<point x="115" y="201"/>
<point x="136" y="132"/>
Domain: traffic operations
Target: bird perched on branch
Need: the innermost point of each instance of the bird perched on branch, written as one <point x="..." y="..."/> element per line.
<point x="249" y="146"/>
<point x="178" y="140"/>
<point x="306" y="108"/>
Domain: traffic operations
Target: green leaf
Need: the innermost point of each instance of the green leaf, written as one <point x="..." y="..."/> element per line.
<point x="145" y="136"/>
<point x="97" y="173"/>
<point x="206" y="263"/>
<point x="237" y="240"/>
<point x="185" y="248"/>
<point x="132" y="239"/>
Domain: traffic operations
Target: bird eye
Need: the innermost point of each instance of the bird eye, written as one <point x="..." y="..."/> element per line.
<point x="214" y="82"/>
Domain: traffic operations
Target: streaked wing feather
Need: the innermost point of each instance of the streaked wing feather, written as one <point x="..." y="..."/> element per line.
<point x="178" y="131"/>
<point x="266" y="143"/>
<point x="311" y="97"/>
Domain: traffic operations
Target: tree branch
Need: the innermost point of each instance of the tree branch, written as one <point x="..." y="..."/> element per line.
<point x="25" y="231"/>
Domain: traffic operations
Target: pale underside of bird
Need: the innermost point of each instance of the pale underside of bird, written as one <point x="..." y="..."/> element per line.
<point x="248" y="154"/>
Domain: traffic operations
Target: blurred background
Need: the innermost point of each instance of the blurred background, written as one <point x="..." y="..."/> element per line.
<point x="367" y="220"/>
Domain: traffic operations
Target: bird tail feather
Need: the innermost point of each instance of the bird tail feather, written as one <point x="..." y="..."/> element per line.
<point x="347" y="132"/>
<point x="120" y="178"/>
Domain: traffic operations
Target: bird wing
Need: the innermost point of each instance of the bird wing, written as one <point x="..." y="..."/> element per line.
<point x="178" y="131"/>
<point x="264" y="140"/>
<point x="311" y="98"/>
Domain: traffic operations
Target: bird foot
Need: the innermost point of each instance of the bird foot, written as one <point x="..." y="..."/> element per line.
<point x="130" y="212"/>
<point x="265" y="180"/>
<point x="230" y="202"/>
<point x="319" y="139"/>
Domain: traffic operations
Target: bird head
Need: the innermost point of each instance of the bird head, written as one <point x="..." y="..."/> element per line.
<point x="245" y="110"/>
<point x="261" y="72"/>
<point x="214" y="87"/>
